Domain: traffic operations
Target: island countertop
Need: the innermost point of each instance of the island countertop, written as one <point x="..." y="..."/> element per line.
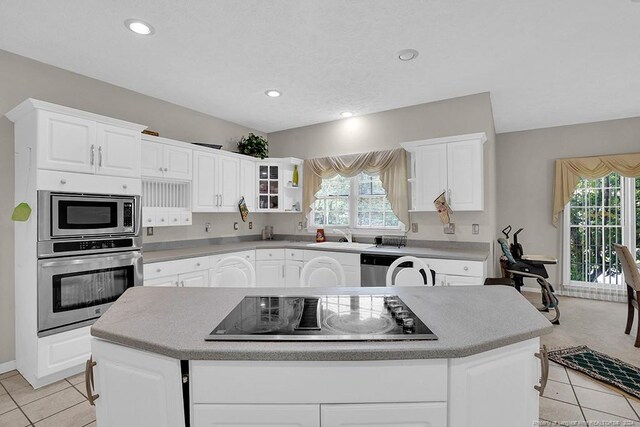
<point x="175" y="321"/>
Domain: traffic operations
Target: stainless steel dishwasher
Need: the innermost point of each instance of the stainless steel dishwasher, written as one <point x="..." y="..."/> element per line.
<point x="373" y="269"/>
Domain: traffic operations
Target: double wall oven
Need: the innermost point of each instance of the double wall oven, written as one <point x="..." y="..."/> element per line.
<point x="89" y="253"/>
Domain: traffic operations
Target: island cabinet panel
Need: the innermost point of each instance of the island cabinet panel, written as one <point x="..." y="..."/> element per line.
<point x="136" y="388"/>
<point x="433" y="414"/>
<point x="495" y="388"/>
<point x="255" y="382"/>
<point x="256" y="415"/>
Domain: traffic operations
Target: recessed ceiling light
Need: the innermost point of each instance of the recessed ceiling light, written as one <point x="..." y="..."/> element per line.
<point x="407" y="54"/>
<point x="346" y="114"/>
<point x="139" y="27"/>
<point x="273" y="93"/>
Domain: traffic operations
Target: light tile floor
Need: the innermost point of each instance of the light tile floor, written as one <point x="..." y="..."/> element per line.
<point x="61" y="404"/>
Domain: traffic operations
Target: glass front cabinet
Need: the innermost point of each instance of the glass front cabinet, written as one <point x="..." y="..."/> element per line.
<point x="279" y="188"/>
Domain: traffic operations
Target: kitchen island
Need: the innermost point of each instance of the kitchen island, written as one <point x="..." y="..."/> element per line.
<point x="154" y="367"/>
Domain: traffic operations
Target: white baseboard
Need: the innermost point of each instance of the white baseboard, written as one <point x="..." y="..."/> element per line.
<point x="7" y="366"/>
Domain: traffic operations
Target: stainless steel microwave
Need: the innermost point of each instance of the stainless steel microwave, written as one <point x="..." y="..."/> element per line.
<point x="72" y="215"/>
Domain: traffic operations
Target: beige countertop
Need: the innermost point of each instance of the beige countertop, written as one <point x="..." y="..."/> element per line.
<point x="175" y="321"/>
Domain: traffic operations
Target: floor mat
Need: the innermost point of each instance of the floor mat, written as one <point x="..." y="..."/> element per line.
<point x="601" y="367"/>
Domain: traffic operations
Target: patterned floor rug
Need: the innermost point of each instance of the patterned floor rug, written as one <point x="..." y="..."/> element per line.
<point x="601" y="367"/>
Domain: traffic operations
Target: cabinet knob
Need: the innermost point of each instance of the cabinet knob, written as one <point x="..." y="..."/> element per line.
<point x="160" y="169"/>
<point x="186" y="219"/>
<point x="165" y="169"/>
<point x="175" y="219"/>
<point x="270" y="254"/>
<point x="63" y="181"/>
<point x="148" y="219"/>
<point x="161" y="219"/>
<point x="124" y="186"/>
<point x="198" y="265"/>
<point x="466" y="268"/>
<point x="158" y="270"/>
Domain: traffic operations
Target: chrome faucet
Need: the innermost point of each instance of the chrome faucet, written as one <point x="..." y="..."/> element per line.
<point x="348" y="235"/>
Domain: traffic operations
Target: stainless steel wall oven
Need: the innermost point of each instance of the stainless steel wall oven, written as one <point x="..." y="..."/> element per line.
<point x="89" y="253"/>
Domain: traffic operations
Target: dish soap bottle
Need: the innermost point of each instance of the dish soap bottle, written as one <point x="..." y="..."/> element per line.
<point x="294" y="180"/>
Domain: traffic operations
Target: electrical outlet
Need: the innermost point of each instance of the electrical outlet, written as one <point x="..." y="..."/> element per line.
<point x="235" y="226"/>
<point x="149" y="231"/>
<point x="475" y="228"/>
<point x="300" y="226"/>
<point x="250" y="225"/>
<point x="414" y="227"/>
<point x="207" y="227"/>
<point x="450" y="228"/>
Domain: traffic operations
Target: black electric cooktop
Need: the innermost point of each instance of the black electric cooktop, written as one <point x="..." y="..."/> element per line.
<point x="321" y="318"/>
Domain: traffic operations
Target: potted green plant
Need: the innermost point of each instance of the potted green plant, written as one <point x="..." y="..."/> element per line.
<point x="254" y="145"/>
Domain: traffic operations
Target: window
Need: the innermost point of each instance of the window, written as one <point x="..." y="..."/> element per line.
<point x="602" y="212"/>
<point x="358" y="202"/>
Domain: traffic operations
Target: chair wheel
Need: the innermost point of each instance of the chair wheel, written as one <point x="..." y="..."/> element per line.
<point x="557" y="322"/>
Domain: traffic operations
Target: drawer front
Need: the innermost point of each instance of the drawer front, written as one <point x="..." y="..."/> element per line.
<point x="169" y="268"/>
<point x="294" y="254"/>
<point x="329" y="382"/>
<point x="457" y="267"/>
<point x="343" y="258"/>
<point x="248" y="255"/>
<point x="64" y="350"/>
<point x="269" y="254"/>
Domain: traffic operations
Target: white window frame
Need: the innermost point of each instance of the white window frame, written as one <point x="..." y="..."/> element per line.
<point x="628" y="235"/>
<point x="353" y="216"/>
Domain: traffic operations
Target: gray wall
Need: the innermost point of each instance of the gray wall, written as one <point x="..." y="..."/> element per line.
<point x="22" y="78"/>
<point x="526" y="174"/>
<point x="386" y="130"/>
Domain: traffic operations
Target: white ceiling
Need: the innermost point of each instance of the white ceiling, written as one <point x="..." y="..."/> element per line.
<point x="545" y="62"/>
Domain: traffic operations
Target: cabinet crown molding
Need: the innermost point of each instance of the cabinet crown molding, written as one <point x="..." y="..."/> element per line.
<point x="481" y="137"/>
<point x="31" y="104"/>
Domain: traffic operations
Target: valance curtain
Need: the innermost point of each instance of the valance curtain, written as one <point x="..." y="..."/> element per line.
<point x="390" y="165"/>
<point x="570" y="171"/>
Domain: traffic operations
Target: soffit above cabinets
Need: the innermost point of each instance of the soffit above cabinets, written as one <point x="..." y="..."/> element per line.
<point x="544" y="62"/>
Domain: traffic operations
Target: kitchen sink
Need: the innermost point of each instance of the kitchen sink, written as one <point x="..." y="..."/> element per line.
<point x="341" y="245"/>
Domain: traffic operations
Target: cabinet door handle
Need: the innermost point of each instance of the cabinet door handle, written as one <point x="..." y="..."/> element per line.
<point x="88" y="381"/>
<point x="165" y="169"/>
<point x="283" y="273"/>
<point x="160" y="168"/>
<point x="100" y="156"/>
<point x="449" y="194"/>
<point x="93" y="154"/>
<point x="544" y="363"/>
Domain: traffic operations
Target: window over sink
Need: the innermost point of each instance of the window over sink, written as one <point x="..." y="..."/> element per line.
<point x="359" y="202"/>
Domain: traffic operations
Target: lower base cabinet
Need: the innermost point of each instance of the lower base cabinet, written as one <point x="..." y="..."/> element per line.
<point x="358" y="415"/>
<point x="489" y="389"/>
<point x="256" y="415"/>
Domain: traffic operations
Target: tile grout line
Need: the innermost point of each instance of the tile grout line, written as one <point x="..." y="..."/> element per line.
<point x="584" y="417"/>
<point x="49" y="416"/>
<point x="632" y="408"/>
<point x="40" y="398"/>
<point x="16" y="403"/>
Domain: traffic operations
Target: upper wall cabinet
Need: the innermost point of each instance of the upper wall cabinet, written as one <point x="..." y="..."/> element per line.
<point x="218" y="182"/>
<point x="163" y="158"/>
<point x="453" y="165"/>
<point x="71" y="140"/>
<point x="277" y="188"/>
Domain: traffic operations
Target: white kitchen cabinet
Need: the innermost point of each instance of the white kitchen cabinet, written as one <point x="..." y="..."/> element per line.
<point x="256" y="415"/>
<point x="453" y="280"/>
<point x="454" y="165"/>
<point x="231" y="274"/>
<point x="270" y="273"/>
<point x="195" y="279"/>
<point x="293" y="269"/>
<point x="166" y="281"/>
<point x="64" y="350"/>
<point x="433" y="414"/>
<point x="118" y="151"/>
<point x="495" y="388"/>
<point x="465" y="175"/>
<point x="248" y="183"/>
<point x="75" y="144"/>
<point x="216" y="185"/>
<point x="228" y="183"/>
<point x="163" y="158"/>
<point x="136" y="388"/>
<point x="66" y="143"/>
